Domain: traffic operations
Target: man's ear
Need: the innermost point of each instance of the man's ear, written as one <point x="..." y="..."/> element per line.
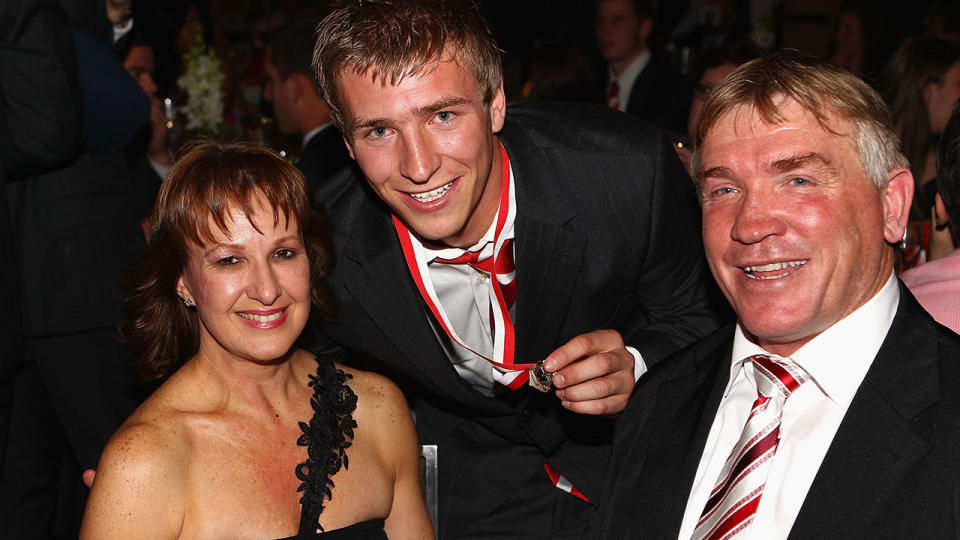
<point x="940" y="214"/>
<point x="346" y="141"/>
<point x="645" y="28"/>
<point x="897" y="196"/>
<point x="498" y="109"/>
<point x="298" y="83"/>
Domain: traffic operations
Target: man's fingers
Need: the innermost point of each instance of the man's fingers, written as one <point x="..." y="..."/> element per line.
<point x="598" y="388"/>
<point x="607" y="406"/>
<point x="592" y="367"/>
<point x="581" y="346"/>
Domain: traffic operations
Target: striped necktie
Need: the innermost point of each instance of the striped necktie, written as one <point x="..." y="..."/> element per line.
<point x="733" y="502"/>
<point x="503" y="268"/>
<point x="613" y="95"/>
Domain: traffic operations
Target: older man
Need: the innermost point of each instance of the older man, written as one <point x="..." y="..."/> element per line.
<point x="830" y="409"/>
<point x="588" y="265"/>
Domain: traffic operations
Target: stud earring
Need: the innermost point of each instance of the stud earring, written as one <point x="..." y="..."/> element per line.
<point x="188" y="303"/>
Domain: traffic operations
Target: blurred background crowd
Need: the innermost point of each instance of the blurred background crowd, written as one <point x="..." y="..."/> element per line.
<point x="155" y="73"/>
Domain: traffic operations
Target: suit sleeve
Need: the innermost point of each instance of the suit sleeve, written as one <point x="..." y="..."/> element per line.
<point x="677" y="298"/>
<point x="40" y="111"/>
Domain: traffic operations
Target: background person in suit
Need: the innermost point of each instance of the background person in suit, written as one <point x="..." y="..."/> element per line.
<point x="637" y="82"/>
<point x="803" y="191"/>
<point x="73" y="229"/>
<point x="40" y="118"/>
<point x="585" y="210"/>
<point x="299" y="108"/>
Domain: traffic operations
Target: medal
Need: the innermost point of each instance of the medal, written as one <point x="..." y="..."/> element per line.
<point x="539" y="378"/>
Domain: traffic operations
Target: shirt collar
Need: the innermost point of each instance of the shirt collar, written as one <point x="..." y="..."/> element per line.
<point x="835" y="361"/>
<point x="633" y="69"/>
<point x="487" y="238"/>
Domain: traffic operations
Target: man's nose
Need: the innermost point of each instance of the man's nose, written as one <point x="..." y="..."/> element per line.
<point x="420" y="160"/>
<point x="757" y="219"/>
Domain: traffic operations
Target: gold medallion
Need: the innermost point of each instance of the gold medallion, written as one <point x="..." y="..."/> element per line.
<point x="540" y="379"/>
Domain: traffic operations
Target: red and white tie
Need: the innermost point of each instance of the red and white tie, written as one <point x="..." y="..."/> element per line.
<point x="503" y="268"/>
<point x="733" y="502"/>
<point x="613" y="95"/>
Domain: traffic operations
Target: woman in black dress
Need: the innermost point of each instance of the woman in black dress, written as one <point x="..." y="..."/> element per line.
<point x="249" y="436"/>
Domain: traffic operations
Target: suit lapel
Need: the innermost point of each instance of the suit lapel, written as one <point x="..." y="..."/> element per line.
<point x="548" y="254"/>
<point x="686" y="408"/>
<point x="661" y="437"/>
<point x="875" y="446"/>
<point x="381" y="284"/>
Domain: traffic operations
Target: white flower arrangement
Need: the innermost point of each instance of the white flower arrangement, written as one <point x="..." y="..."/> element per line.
<point x="203" y="82"/>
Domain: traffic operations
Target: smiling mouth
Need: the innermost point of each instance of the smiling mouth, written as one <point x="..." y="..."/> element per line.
<point x="262" y="318"/>
<point x="772" y="270"/>
<point x="432" y="195"/>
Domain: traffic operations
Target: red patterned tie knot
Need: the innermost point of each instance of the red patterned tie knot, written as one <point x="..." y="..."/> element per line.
<point x="781" y="376"/>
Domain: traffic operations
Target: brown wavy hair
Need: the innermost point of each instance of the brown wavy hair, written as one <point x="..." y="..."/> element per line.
<point x="207" y="182"/>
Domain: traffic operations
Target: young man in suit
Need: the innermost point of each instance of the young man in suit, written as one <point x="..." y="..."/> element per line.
<point x="589" y="263"/>
<point x="299" y="108"/>
<point x="638" y="83"/>
<point x="830" y="409"/>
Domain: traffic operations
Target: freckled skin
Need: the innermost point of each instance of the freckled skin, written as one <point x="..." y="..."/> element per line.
<point x="827" y="214"/>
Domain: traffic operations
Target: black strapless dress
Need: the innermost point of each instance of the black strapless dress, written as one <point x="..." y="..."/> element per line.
<point x="327" y="437"/>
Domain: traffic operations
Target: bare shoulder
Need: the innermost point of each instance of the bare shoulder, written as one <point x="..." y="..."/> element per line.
<point x="377" y="396"/>
<point x="140" y="470"/>
<point x="382" y="413"/>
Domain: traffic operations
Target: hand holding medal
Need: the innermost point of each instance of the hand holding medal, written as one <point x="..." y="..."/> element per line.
<point x="593" y="373"/>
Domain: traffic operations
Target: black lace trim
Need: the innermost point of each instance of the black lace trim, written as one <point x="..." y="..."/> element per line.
<point x="327" y="437"/>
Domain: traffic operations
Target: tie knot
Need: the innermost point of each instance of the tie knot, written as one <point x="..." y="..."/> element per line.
<point x="774" y="377"/>
<point x="482" y="260"/>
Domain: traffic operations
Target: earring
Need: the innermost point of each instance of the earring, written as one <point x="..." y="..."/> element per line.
<point x="188" y="303"/>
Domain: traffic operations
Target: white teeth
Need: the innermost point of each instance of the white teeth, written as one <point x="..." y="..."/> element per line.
<point x="433" y="194"/>
<point x="772" y="267"/>
<point x="261" y="318"/>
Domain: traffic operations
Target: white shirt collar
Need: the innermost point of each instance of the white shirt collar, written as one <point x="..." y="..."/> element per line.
<point x="838" y="358"/>
<point x="633" y="69"/>
<point x="120" y="31"/>
<point x="310" y="134"/>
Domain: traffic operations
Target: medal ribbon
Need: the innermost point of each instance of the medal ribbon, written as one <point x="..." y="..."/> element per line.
<point x="508" y="372"/>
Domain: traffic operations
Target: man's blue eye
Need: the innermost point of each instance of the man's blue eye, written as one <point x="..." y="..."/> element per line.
<point x="444" y="116"/>
<point x="378" y="132"/>
<point x="799" y="181"/>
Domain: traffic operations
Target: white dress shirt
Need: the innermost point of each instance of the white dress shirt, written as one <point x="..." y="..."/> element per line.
<point x="628" y="76"/>
<point x="837" y="361"/>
